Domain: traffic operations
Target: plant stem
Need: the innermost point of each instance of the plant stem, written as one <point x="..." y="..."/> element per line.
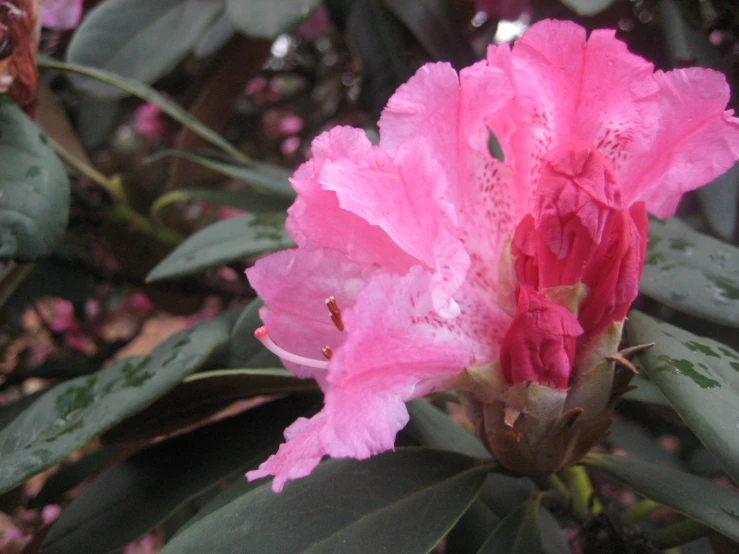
<point x="583" y="494"/>
<point x="640" y="510"/>
<point x="683" y="532"/>
<point x="121" y="212"/>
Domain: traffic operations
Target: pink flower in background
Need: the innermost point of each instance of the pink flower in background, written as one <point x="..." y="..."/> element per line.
<point x="503" y="9"/>
<point x="148" y="121"/>
<point x="393" y="290"/>
<point x="61" y="14"/>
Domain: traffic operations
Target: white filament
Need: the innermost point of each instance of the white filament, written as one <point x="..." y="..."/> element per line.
<point x="263" y="335"/>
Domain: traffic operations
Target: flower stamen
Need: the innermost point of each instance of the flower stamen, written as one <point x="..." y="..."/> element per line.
<point x="335" y="312"/>
<point x="327" y="352"/>
<point x="262" y="334"/>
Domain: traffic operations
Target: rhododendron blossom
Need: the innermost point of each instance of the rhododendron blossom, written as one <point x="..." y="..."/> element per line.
<point x="393" y="290"/>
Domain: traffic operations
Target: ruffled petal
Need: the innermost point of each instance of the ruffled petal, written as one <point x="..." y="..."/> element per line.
<point x="61" y="14"/>
<point x="697" y="140"/>
<point x="316" y="216"/>
<point x="398" y="349"/>
<point x="298" y="456"/>
<point x="294" y="285"/>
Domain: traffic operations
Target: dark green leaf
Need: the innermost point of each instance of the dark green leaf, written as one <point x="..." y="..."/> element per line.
<point x="432" y="427"/>
<point x="8" y="412"/>
<point x="224" y="242"/>
<point x="69" y="415"/>
<point x="472" y="530"/>
<point x="434" y="25"/>
<point x="34" y="189"/>
<point x="636" y="440"/>
<point x="266" y="18"/>
<point x="700" y="378"/>
<point x="404" y="501"/>
<point x="132" y="497"/>
<point x="126" y="37"/>
<point x="266" y="179"/>
<point x="245" y="350"/>
<point x="517" y="533"/>
<point x="691" y="272"/>
<point x="646" y="392"/>
<point x="200" y="396"/>
<point x="707" y="502"/>
<point x="247" y="200"/>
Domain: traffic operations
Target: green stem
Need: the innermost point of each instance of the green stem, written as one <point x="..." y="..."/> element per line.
<point x="121" y="212"/>
<point x="640" y="510"/>
<point x="584" y="500"/>
<point x="683" y="532"/>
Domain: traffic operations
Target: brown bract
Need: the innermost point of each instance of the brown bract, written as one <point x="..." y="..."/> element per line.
<point x="18" y="41"/>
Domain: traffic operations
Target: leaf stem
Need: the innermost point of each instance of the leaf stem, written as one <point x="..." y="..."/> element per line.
<point x="640" y="510"/>
<point x="682" y="532"/>
<point x="584" y="501"/>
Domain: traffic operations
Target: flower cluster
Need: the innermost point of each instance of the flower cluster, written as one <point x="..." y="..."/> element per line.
<point x="492" y="242"/>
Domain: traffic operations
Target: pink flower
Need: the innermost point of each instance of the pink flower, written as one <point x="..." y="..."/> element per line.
<point x="394" y="291"/>
<point x="61" y="14"/>
<point x="503" y="9"/>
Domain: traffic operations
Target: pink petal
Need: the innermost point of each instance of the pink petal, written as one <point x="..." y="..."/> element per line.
<point x="298" y="456"/>
<point x="317" y="217"/>
<point x="697" y="140"/>
<point x="449" y="112"/>
<point x="61" y="14"/>
<point x="398" y="349"/>
<point x="405" y="197"/>
<point x="294" y="285"/>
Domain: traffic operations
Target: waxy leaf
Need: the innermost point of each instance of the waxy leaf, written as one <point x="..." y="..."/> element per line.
<point x="126" y="37"/>
<point x="711" y="504"/>
<point x="224" y="242"/>
<point x="403" y="501"/>
<point x="69" y="415"/>
<point x="518" y="533"/>
<point x="133" y="496"/>
<point x="202" y="395"/>
<point x="588" y="8"/>
<point x="432" y="427"/>
<point x="34" y="189"/>
<point x="700" y="378"/>
<point x="691" y="272"/>
<point x="267" y="18"/>
<point x="244" y="349"/>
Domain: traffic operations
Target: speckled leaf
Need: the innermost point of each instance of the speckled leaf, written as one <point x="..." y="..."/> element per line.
<point x="691" y="272"/>
<point x="704" y="501"/>
<point x="227" y="241"/>
<point x="267" y="18"/>
<point x="518" y="533"/>
<point x="700" y="378"/>
<point x="140" y="39"/>
<point x="346" y="506"/>
<point x="202" y="395"/>
<point x="133" y="496"/>
<point x="34" y="189"/>
<point x="71" y="414"/>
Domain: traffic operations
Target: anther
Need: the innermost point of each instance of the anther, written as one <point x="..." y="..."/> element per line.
<point x="335" y="312"/>
<point x="262" y="334"/>
<point x="327" y="352"/>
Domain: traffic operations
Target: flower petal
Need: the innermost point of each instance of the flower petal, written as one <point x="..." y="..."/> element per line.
<point x="398" y="349"/>
<point x="61" y="14"/>
<point x="294" y="285"/>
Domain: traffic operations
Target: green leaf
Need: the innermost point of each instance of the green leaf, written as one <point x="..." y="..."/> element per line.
<point x="202" y="395"/>
<point x="34" y="189"/>
<point x="139" y="39"/>
<point x="588" y="8"/>
<point x="266" y="18"/>
<point x="148" y="94"/>
<point x="264" y="178"/>
<point x="691" y="272"/>
<point x="247" y="200"/>
<point x="702" y="500"/>
<point x="700" y="378"/>
<point x="404" y="501"/>
<point x="226" y="241"/>
<point x="245" y="350"/>
<point x="472" y="530"/>
<point x="432" y="427"/>
<point x="435" y="27"/>
<point x="646" y="392"/>
<point x="517" y="533"/>
<point x="69" y="415"/>
<point x="135" y="495"/>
